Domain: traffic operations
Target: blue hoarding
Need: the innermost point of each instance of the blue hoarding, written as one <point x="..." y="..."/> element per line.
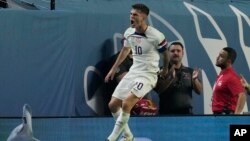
<point x="56" y="60"/>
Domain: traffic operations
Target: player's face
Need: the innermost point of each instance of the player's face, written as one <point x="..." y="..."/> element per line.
<point x="136" y="18"/>
<point x="221" y="60"/>
<point x="176" y="53"/>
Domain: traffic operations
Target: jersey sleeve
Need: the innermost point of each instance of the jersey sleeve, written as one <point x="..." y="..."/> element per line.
<point x="128" y="32"/>
<point x="162" y="42"/>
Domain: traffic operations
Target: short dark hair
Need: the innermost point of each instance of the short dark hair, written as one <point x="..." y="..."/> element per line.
<point x="176" y="43"/>
<point x="232" y="55"/>
<point x="142" y="7"/>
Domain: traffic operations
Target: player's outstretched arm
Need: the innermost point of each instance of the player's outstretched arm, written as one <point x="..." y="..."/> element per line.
<point x="122" y="55"/>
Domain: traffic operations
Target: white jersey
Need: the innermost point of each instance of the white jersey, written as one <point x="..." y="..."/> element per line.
<point x="145" y="48"/>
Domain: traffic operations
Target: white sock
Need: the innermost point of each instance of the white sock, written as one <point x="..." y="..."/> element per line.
<point x="127" y="131"/>
<point x="121" y="121"/>
<point x="116" y="115"/>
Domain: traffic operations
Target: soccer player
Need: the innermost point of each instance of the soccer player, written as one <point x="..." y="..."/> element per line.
<point x="145" y="42"/>
<point x="228" y="93"/>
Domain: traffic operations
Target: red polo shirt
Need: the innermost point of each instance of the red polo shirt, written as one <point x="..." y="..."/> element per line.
<point x="226" y="90"/>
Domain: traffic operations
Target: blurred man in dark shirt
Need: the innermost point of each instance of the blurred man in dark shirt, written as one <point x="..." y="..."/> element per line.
<point x="177" y="98"/>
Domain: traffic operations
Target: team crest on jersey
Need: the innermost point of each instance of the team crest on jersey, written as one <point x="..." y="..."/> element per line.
<point x="138" y="40"/>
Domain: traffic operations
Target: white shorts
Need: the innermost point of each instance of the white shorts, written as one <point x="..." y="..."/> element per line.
<point x="138" y="84"/>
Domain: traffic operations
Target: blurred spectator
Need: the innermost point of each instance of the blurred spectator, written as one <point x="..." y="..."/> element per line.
<point x="177" y="97"/>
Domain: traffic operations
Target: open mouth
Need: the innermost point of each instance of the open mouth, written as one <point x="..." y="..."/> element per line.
<point x="132" y="22"/>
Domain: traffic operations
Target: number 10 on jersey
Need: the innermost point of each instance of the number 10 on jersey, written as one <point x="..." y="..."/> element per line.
<point x="138" y="50"/>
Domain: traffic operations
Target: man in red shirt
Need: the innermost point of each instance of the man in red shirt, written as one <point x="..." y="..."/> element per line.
<point x="228" y="93"/>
